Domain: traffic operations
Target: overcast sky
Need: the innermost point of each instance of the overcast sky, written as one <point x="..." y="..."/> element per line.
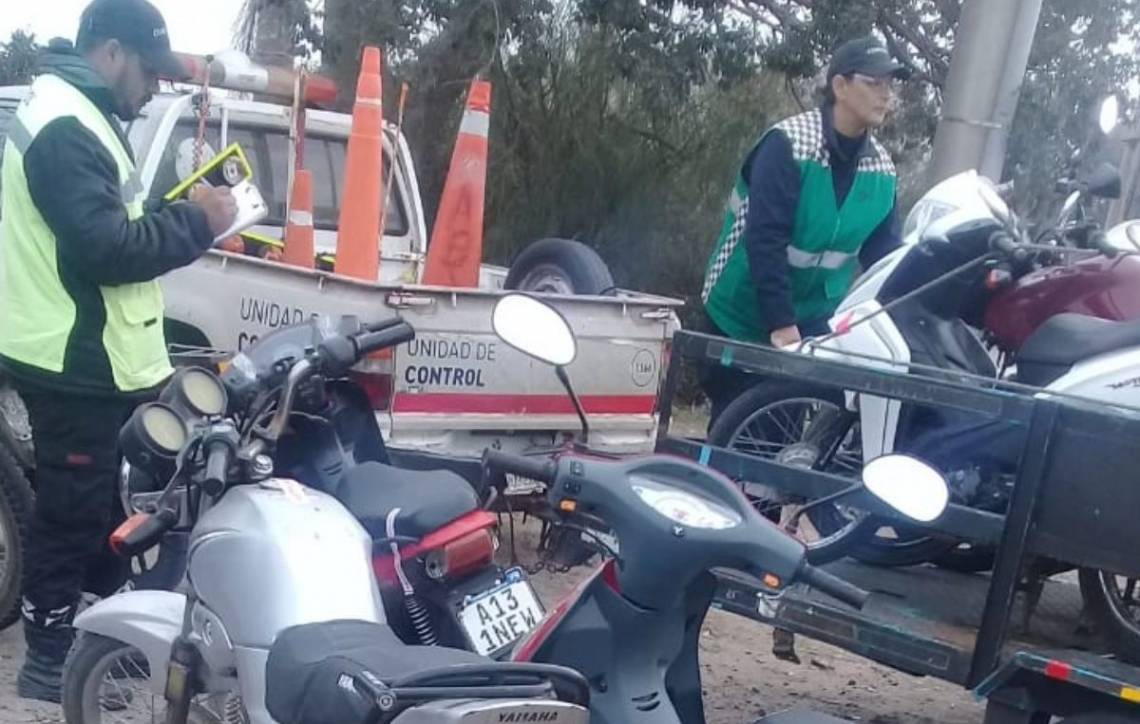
<point x="196" y="26"/>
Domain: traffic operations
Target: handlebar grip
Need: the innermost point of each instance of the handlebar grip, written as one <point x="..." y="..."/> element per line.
<point x="141" y="532"/>
<point x="834" y="586"/>
<point x="1000" y="241"/>
<point x="389" y="336"/>
<point x="385" y="324"/>
<point x="1099" y="241"/>
<point x="542" y="470"/>
<point x="218" y="457"/>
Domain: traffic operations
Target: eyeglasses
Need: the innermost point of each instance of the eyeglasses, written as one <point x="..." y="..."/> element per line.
<point x="880" y="84"/>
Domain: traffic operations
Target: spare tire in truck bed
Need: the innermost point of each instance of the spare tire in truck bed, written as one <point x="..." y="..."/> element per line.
<point x="559" y="266"/>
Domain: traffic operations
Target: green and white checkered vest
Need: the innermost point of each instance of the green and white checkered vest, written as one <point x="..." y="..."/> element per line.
<point x="824" y="249"/>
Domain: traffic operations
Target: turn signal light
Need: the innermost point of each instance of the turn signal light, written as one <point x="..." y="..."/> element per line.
<point x="567" y="505"/>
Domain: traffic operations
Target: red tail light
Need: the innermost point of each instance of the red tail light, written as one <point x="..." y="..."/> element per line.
<point x="533" y="641"/>
<point x="461" y="556"/>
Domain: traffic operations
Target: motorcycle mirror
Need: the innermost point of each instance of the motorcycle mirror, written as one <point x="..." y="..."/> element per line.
<point x="1109" y="114"/>
<point x="908" y="485"/>
<point x="534" y="328"/>
<point x="1104" y="182"/>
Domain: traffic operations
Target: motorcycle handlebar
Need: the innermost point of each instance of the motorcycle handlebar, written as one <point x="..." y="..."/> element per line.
<point x="381" y="326"/>
<point x="834" y="586"/>
<point x="542" y="470"/>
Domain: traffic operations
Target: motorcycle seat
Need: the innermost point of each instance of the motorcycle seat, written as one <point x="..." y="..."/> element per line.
<point x="427" y="499"/>
<point x="308" y="675"/>
<point x="1065" y="339"/>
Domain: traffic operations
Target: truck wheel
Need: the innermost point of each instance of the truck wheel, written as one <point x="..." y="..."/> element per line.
<point x="559" y="266"/>
<point x="1114" y="602"/>
<point x="16" y="503"/>
<point x="792" y="424"/>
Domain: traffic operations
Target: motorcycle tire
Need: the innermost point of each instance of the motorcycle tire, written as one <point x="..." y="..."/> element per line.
<point x="16" y="504"/>
<point x="1119" y="630"/>
<point x="908" y="550"/>
<point x="763" y="395"/>
<point x="86" y="668"/>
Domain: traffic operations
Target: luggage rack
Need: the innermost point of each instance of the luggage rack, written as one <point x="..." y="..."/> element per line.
<point x="1053" y="513"/>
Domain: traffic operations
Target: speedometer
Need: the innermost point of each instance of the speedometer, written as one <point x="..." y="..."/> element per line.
<point x="683" y="507"/>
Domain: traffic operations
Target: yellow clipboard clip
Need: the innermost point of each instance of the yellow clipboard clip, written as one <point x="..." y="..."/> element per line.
<point x="228" y="168"/>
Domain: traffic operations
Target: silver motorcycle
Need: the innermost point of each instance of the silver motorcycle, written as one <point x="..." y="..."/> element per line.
<point x="279" y="618"/>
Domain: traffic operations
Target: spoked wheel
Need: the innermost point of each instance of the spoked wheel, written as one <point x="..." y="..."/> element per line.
<point x="801" y="426"/>
<point x="1115" y="603"/>
<point x="107" y="681"/>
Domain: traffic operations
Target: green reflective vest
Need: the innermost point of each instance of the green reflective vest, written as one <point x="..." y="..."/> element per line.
<point x="823" y="252"/>
<point x="37" y="315"/>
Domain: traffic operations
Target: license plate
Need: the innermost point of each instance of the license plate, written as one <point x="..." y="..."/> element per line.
<point x="497" y="618"/>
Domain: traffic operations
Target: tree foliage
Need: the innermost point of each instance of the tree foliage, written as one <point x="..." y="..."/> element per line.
<point x="18" y="58"/>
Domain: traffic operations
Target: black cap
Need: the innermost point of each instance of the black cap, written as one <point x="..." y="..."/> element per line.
<point x="866" y="56"/>
<point x="139" y="26"/>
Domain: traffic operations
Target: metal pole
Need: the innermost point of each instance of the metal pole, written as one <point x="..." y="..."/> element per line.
<point x="1013" y="75"/>
<point x="976" y="70"/>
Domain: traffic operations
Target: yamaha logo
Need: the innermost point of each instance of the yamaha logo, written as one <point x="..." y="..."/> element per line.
<point x="511" y="717"/>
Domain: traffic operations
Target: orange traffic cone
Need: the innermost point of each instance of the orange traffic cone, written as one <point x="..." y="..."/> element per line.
<point x="299" y="230"/>
<point x="456" y="248"/>
<point x="358" y="237"/>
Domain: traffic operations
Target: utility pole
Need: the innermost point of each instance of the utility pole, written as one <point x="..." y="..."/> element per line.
<point x="991" y="51"/>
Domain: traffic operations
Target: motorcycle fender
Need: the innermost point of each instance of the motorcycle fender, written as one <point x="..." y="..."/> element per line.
<point x="147" y="620"/>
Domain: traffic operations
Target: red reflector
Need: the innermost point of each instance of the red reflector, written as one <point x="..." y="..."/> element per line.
<point x="609" y="576"/>
<point x="534" y="640"/>
<point x="128" y="526"/>
<point x="1058" y="670"/>
<point x="474" y="550"/>
<point x="378" y="388"/>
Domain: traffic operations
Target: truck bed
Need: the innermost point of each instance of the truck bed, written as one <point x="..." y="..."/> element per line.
<point x="922" y="619"/>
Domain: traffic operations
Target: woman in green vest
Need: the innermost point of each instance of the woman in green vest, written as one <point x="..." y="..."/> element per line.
<point x="81" y="315"/>
<point x="814" y="201"/>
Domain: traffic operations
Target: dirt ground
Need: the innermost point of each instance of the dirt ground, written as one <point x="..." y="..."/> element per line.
<point x="742" y="680"/>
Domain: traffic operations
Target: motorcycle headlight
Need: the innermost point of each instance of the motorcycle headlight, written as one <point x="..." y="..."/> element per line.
<point x="196" y="392"/>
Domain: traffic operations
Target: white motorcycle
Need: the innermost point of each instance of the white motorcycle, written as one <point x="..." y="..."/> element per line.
<point x="280" y="618"/>
<point x="937" y="289"/>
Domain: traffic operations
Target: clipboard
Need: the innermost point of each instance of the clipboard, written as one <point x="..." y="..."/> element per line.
<point x="228" y="168"/>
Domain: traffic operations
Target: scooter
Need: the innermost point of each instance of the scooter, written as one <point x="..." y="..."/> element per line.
<point x="632" y="628"/>
<point x="441" y="551"/>
<point x="280" y="619"/>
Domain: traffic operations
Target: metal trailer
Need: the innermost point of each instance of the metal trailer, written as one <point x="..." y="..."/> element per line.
<point x="1075" y="500"/>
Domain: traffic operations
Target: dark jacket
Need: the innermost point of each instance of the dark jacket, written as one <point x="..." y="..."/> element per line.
<point x="74" y="182"/>
<point x="773" y="196"/>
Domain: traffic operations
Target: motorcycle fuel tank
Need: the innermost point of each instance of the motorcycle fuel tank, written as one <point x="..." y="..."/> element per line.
<point x="277" y="554"/>
<point x="1099" y="287"/>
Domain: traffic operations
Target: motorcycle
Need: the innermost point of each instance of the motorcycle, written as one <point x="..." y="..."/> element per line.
<point x="437" y="554"/>
<point x="938" y="289"/>
<point x="280" y="618"/>
<point x="632" y="628"/>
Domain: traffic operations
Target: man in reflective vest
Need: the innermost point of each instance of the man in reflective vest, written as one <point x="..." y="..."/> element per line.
<point x="814" y="200"/>
<point x="81" y="312"/>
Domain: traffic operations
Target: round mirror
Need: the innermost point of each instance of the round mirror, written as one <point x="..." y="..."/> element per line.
<point x="535" y="329"/>
<point x="908" y="485"/>
<point x="1132" y="231"/>
<point x="1109" y="114"/>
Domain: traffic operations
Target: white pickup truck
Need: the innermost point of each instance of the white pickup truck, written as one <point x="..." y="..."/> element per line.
<point x="453" y="391"/>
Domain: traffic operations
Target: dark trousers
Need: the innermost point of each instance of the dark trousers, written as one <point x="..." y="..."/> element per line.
<point x="77" y="504"/>
<point x="722" y="384"/>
